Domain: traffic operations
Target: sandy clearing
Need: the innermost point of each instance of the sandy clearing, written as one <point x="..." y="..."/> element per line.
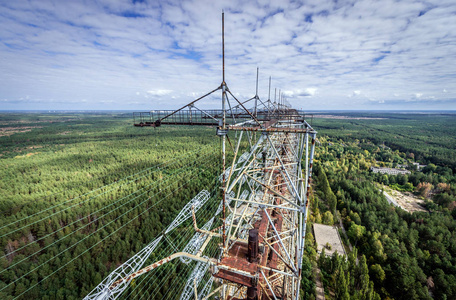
<point x="406" y="200"/>
<point x="325" y="234"/>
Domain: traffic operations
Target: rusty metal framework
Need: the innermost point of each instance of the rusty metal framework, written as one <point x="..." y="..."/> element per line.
<point x="260" y="233"/>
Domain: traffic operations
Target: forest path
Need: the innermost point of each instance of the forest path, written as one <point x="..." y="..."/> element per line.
<point x="320" y="291"/>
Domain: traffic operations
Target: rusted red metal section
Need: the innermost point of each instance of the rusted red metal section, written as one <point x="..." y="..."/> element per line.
<point x="270" y="129"/>
<point x="262" y="225"/>
<point x="237" y="259"/>
<point x="240" y="258"/>
<point x="253" y="246"/>
<point x="262" y="254"/>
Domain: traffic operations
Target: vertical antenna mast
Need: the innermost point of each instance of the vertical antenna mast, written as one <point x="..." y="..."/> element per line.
<point x="256" y="93"/>
<point x="280" y="96"/>
<point x="223" y="135"/>
<point x="223" y="47"/>
<point x="269" y="95"/>
<point x="256" y="96"/>
<point x="275" y="96"/>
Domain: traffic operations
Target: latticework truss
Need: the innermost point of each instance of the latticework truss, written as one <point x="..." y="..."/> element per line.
<point x="252" y="242"/>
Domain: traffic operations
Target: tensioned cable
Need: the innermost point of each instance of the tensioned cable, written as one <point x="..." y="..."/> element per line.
<point x="154" y="277"/>
<point x="86" y="225"/>
<point x="164" y="279"/>
<point x="163" y="269"/>
<point x="171" y="193"/>
<point x="68" y="188"/>
<point x="93" y="233"/>
<point x="156" y="182"/>
<point x="78" y="203"/>
<point x="142" y="171"/>
<point x="168" y="295"/>
<point x="90" y="193"/>
<point x="189" y="232"/>
<point x="182" y="241"/>
<point x="212" y="250"/>
<point x="125" y="197"/>
<point x="87" y="236"/>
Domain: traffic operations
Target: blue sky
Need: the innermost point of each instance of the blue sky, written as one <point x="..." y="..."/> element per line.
<point x="143" y="55"/>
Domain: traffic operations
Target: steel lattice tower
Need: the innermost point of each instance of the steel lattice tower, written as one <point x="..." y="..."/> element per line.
<point x="259" y="227"/>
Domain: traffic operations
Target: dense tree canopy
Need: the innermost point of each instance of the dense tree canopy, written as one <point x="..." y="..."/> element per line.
<point x="404" y="252"/>
<point x="82" y="193"/>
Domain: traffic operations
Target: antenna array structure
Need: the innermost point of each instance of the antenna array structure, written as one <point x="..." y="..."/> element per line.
<point x="263" y="207"/>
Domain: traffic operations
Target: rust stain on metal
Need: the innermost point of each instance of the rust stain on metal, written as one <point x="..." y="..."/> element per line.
<point x="271" y="129"/>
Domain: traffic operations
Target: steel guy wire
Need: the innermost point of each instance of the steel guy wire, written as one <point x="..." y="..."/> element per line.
<point x="171" y="193"/>
<point x="187" y="232"/>
<point x="208" y="213"/>
<point x="68" y="235"/>
<point x="83" y="251"/>
<point x="164" y="267"/>
<point x="170" y="290"/>
<point x="68" y="207"/>
<point x="215" y="248"/>
<point x="182" y="240"/>
<point x="96" y="178"/>
<point x="156" y="182"/>
<point x="100" y="188"/>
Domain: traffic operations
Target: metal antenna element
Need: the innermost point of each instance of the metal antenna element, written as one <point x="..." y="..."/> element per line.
<point x="256" y="95"/>
<point x="280" y="99"/>
<point x="255" y="248"/>
<point x="223" y="47"/>
<point x="269" y="94"/>
<point x="224" y="88"/>
<point x="256" y="91"/>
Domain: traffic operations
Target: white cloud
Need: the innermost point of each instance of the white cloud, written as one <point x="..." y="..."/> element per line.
<point x="355" y="94"/>
<point x="108" y="51"/>
<point x="307" y="92"/>
<point x="159" y="92"/>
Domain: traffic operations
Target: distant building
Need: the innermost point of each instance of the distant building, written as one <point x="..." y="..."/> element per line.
<point x="419" y="167"/>
<point x="389" y="171"/>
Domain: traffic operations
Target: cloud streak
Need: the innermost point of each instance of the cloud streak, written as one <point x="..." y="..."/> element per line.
<point x="135" y="55"/>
